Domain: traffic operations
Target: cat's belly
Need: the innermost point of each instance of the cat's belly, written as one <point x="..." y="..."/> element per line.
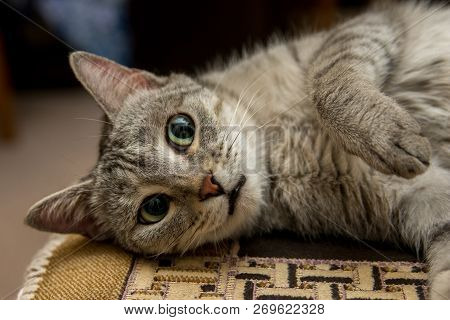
<point x="317" y="188"/>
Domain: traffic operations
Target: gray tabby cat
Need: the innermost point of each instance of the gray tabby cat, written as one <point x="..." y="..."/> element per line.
<point x="361" y="145"/>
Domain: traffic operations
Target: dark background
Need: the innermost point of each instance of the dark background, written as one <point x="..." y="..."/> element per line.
<point x="165" y="36"/>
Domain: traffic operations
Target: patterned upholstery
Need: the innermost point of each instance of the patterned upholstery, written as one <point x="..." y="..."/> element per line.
<point x="72" y="267"/>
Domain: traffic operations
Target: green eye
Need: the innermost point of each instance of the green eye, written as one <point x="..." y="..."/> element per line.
<point x="181" y="131"/>
<point x="153" y="209"/>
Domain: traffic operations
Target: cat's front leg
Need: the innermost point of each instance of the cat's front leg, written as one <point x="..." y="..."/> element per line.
<point x="372" y="126"/>
<point x="345" y="81"/>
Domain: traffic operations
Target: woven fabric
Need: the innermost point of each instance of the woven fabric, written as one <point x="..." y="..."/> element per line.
<point x="81" y="269"/>
<point x="77" y="268"/>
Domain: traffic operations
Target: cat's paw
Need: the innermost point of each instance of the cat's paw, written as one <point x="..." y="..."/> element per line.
<point x="392" y="142"/>
<point x="440" y="286"/>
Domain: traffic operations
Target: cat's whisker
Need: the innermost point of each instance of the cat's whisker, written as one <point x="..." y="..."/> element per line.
<point x="240" y="126"/>
<point x="95" y="136"/>
<point x="174" y="242"/>
<point x="251" y="116"/>
<point x="189" y="243"/>
<point x="194" y="240"/>
<point x="195" y="235"/>
<point x="95" y="120"/>
<point x="237" y="136"/>
<point x="250" y="103"/>
<point x="242" y="95"/>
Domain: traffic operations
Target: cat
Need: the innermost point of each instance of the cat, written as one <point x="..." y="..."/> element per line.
<point x="339" y="132"/>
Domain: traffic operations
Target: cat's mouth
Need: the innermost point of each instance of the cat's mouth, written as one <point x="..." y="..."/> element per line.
<point x="234" y="194"/>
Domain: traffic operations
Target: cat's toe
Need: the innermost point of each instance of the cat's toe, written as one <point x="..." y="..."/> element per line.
<point x="406" y="160"/>
<point x="415" y="151"/>
<point x="440" y="286"/>
<point x="410" y="155"/>
<point x="397" y="161"/>
<point x="397" y="145"/>
<point x="416" y="146"/>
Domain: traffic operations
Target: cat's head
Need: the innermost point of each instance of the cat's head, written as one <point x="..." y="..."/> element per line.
<point x="171" y="173"/>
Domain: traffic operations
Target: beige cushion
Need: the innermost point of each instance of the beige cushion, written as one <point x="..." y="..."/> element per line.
<point x="73" y="267"/>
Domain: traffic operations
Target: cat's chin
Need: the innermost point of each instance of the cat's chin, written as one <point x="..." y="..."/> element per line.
<point x="247" y="207"/>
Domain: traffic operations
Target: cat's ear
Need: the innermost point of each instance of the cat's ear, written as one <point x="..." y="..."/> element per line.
<point x="109" y="82"/>
<point x="66" y="211"/>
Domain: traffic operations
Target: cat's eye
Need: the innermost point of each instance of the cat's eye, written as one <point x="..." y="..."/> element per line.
<point x="180" y="131"/>
<point x="153" y="209"/>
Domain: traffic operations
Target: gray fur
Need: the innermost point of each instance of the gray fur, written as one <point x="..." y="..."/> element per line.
<point x="342" y="132"/>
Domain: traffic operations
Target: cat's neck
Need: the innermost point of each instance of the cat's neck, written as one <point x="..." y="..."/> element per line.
<point x="267" y="83"/>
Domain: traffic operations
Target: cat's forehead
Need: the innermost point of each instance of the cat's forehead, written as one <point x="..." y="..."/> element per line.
<point x="154" y="106"/>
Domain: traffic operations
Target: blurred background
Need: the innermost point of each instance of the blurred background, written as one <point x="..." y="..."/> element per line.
<point x="48" y="132"/>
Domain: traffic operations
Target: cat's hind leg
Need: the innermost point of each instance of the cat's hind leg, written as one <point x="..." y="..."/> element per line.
<point x="423" y="221"/>
<point x="439" y="257"/>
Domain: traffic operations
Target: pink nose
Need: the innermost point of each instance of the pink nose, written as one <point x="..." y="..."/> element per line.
<point x="210" y="188"/>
